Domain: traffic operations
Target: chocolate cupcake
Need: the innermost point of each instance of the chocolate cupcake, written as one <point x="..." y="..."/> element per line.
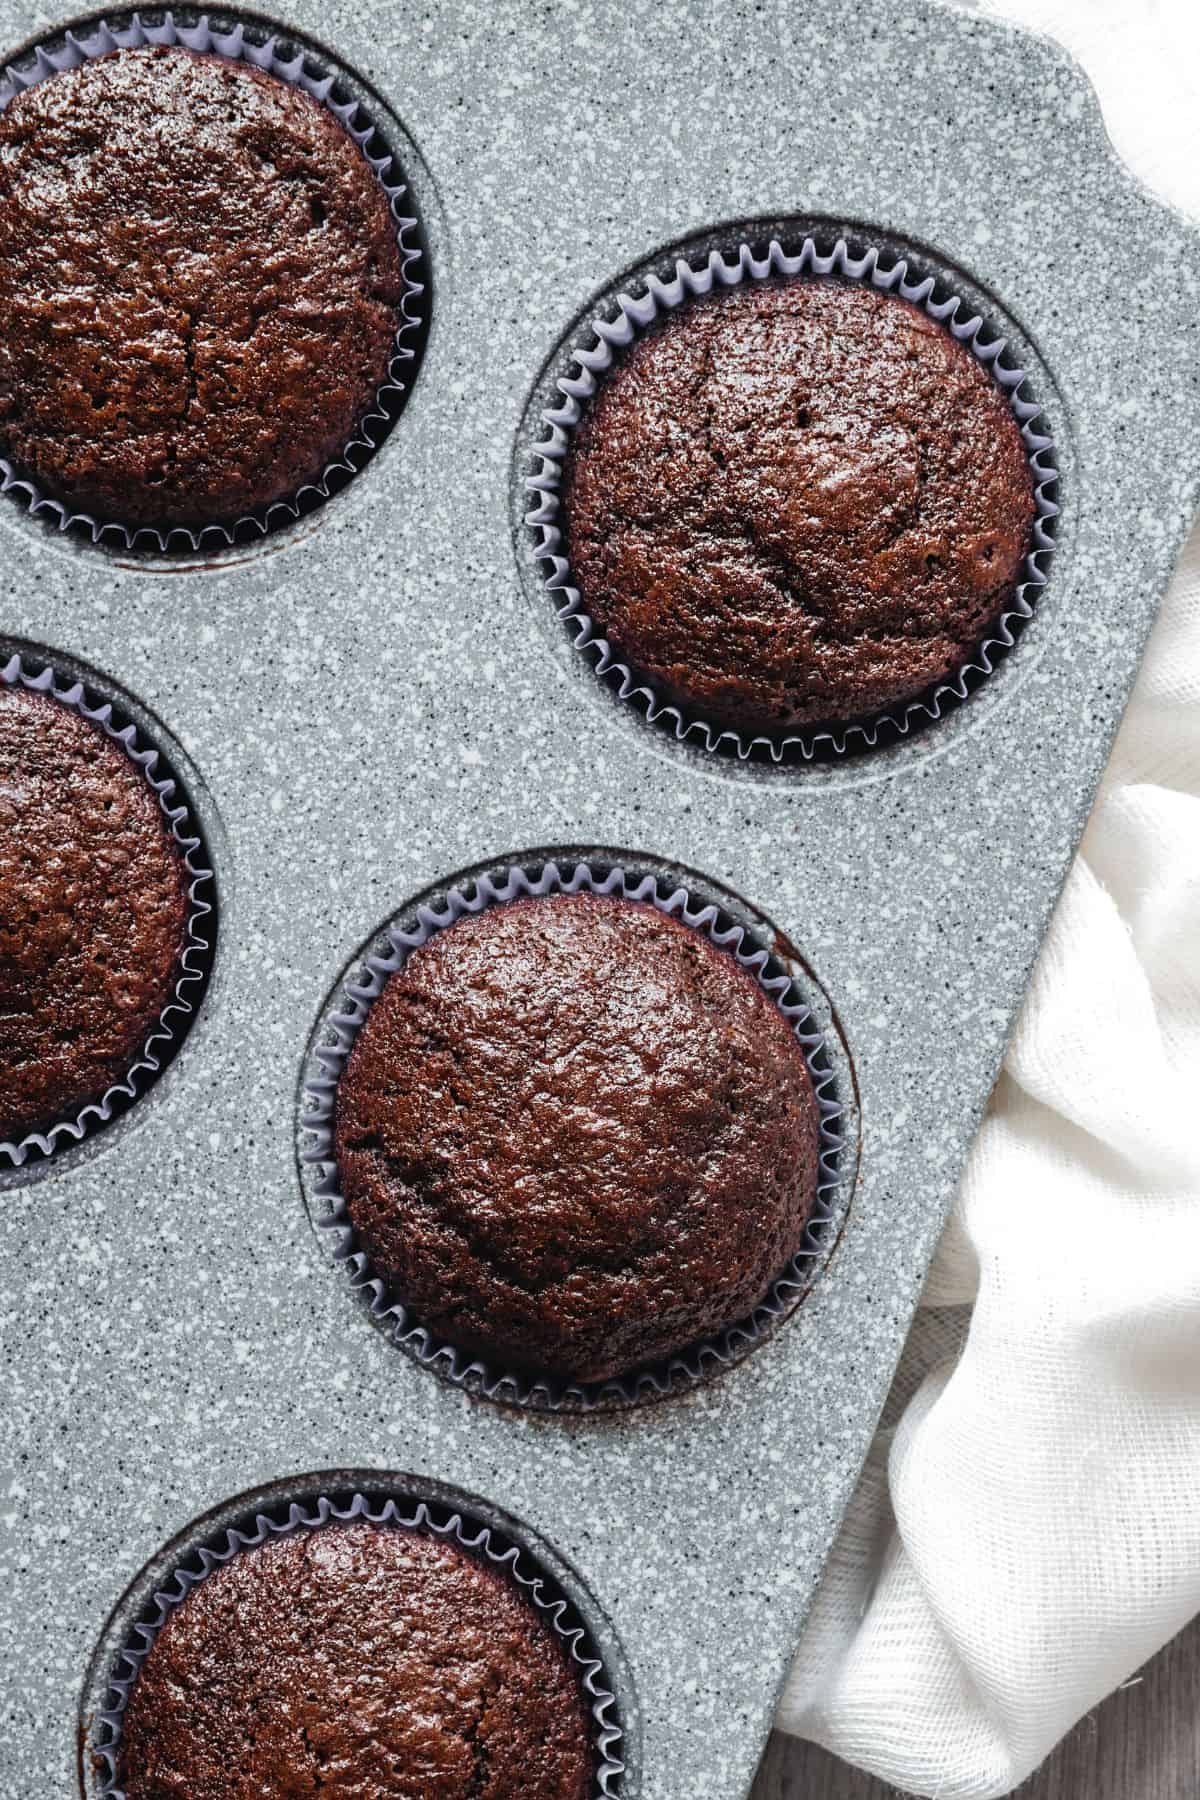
<point x="796" y="503"/>
<point x="358" y="1660"/>
<point x="576" y="1137"/>
<point x="201" y="284"/>
<point x="94" y="905"/>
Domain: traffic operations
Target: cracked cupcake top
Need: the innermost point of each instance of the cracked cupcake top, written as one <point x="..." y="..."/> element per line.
<point x="93" y="911"/>
<point x="575" y="1136"/>
<point x="794" y="503"/>
<point x="363" y="1662"/>
<point x="199" y="281"/>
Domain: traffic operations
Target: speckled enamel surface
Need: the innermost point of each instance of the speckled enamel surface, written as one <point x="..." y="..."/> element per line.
<point x="367" y="702"/>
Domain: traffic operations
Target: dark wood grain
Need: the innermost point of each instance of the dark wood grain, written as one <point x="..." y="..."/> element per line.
<point x="1143" y="1743"/>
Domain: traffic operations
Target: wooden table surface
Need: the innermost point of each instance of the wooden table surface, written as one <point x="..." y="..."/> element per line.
<point x="1143" y="1743"/>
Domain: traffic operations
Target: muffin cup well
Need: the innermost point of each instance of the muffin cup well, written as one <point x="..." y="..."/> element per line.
<point x="478" y="1375"/>
<point x="235" y="46"/>
<point x="196" y="957"/>
<point x="412" y="1514"/>
<point x="615" y="329"/>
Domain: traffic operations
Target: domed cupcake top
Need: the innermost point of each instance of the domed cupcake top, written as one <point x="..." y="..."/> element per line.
<point x="364" y="1662"/>
<point x="200" y="280"/>
<point x="795" y="503"/>
<point x="93" y="911"/>
<point x="575" y="1136"/>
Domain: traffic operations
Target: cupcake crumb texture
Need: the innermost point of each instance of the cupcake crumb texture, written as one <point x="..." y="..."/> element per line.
<point x="796" y="503"/>
<point x="575" y="1136"/>
<point x="360" y="1662"/>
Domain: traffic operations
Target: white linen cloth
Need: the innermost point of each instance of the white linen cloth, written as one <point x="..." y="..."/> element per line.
<point x="1027" y="1530"/>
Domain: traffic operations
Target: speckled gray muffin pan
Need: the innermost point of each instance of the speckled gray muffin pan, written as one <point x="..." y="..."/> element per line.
<point x="375" y="698"/>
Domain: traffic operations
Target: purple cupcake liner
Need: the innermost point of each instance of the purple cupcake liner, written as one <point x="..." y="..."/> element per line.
<point x="593" y="357"/>
<point x="471" y="1535"/>
<point x="686" y="1368"/>
<point x="196" y="958"/>
<point x="234" y="45"/>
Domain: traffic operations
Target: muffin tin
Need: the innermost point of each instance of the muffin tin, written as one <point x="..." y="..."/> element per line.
<point x="377" y="697"/>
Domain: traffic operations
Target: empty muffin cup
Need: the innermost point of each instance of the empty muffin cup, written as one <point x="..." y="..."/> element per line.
<point x="792" y="504"/>
<point x="246" y="298"/>
<point x="702" y="1084"/>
